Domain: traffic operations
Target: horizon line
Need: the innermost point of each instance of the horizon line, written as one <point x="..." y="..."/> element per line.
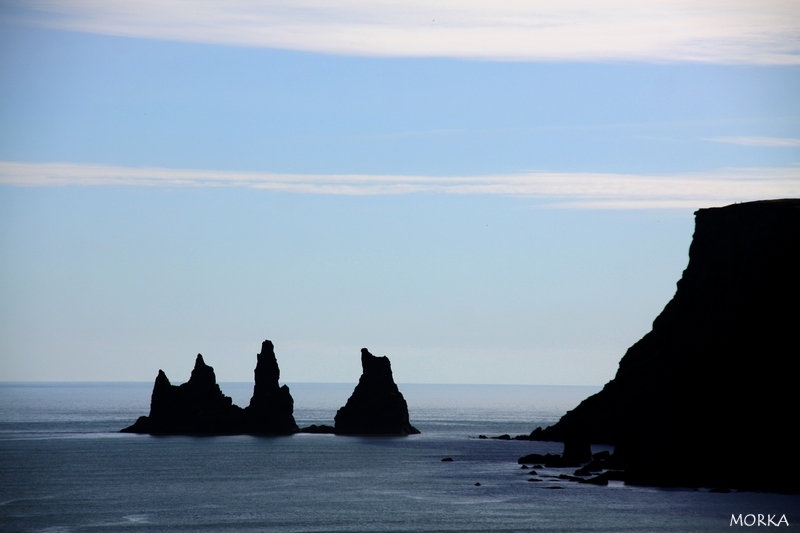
<point x="348" y="383"/>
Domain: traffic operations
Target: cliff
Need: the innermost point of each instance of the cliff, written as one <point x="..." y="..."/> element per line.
<point x="709" y="396"/>
<point x="198" y="407"/>
<point x="376" y="406"/>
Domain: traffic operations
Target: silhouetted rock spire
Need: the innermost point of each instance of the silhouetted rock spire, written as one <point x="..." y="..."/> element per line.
<point x="198" y="407"/>
<point x="271" y="407"/>
<point x="376" y="406"/>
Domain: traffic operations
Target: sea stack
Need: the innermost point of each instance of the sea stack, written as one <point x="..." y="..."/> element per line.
<point x="271" y="407"/>
<point x="709" y="396"/>
<point x="198" y="407"/>
<point x="376" y="406"/>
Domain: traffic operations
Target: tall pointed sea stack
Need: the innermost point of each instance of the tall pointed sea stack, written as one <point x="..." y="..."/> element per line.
<point x="198" y="406"/>
<point x="376" y="406"/>
<point x="709" y="396"/>
<point x="271" y="407"/>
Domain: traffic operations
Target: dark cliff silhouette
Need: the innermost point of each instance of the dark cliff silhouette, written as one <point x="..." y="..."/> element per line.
<point x="376" y="406"/>
<point x="709" y="397"/>
<point x="198" y="407"/>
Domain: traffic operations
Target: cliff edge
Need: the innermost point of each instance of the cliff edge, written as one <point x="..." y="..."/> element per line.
<point x="709" y="397"/>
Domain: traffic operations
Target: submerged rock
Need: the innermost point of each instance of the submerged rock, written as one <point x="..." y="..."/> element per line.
<point x="321" y="429"/>
<point x="376" y="406"/>
<point x="198" y="407"/>
<point x="715" y="379"/>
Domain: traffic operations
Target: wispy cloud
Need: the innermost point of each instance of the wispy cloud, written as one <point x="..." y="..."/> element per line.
<point x="771" y="142"/>
<point x="563" y="190"/>
<point x="726" y="31"/>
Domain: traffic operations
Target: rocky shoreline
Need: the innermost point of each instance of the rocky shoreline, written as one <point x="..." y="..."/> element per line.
<point x="707" y="398"/>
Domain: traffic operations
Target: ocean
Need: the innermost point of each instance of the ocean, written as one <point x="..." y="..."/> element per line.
<point x="65" y="468"/>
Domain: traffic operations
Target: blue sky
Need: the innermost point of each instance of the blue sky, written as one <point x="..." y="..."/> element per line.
<point x="485" y="193"/>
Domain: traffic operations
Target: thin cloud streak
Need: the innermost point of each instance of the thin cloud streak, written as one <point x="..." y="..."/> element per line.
<point x="716" y="31"/>
<point x="559" y="190"/>
<point x="770" y="142"/>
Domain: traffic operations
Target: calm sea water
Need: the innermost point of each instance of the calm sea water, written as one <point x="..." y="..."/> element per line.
<point x="64" y="468"/>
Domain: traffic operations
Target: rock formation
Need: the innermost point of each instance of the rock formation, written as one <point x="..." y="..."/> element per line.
<point x="376" y="406"/>
<point x="271" y="407"/>
<point x="198" y="407"/>
<point x="709" y="396"/>
<point x="195" y="407"/>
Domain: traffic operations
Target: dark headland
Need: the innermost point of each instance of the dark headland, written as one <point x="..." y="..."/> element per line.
<point x="709" y="397"/>
<point x="198" y="407"/>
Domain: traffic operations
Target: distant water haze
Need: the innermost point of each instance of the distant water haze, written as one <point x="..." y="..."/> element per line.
<point x="317" y="402"/>
<point x="503" y="407"/>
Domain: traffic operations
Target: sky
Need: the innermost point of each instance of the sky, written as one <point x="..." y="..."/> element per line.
<point x="485" y="192"/>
